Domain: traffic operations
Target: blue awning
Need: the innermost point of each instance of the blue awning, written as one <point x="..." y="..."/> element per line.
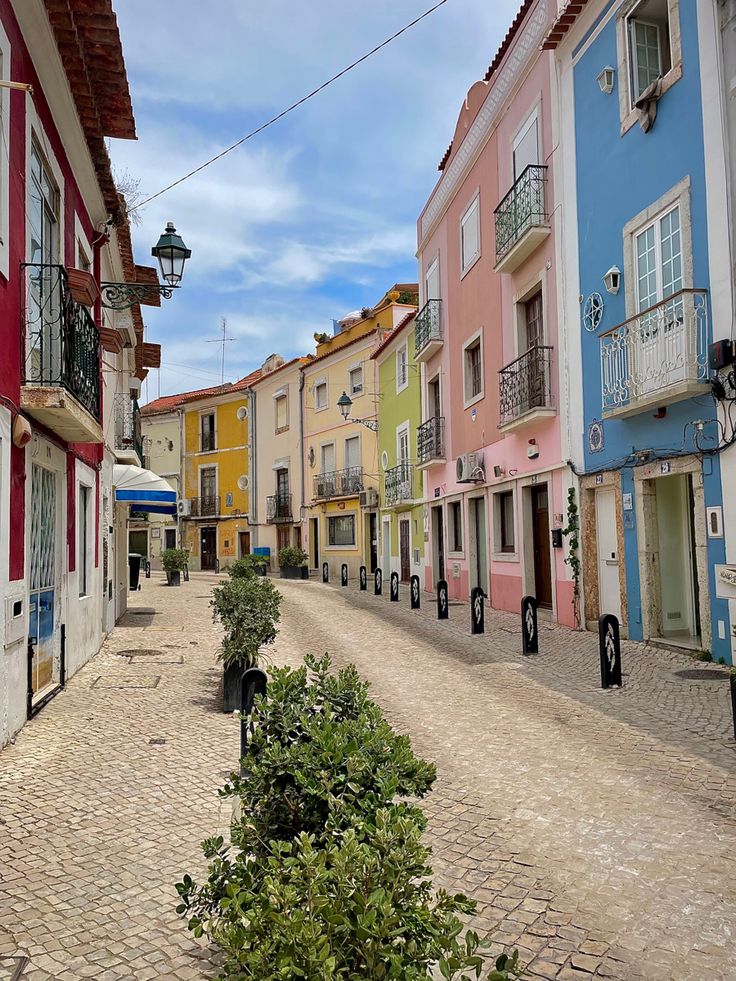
<point x="143" y="490"/>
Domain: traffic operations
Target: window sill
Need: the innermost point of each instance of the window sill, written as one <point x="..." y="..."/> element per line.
<point x="474" y="400"/>
<point x="465" y="270"/>
<point x="505" y="557"/>
<point x="673" y="75"/>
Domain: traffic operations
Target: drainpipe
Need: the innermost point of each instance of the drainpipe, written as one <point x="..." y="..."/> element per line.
<point x="252" y="452"/>
<point x="301" y="456"/>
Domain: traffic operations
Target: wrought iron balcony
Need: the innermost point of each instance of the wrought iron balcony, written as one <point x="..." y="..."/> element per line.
<point x="398" y="484"/>
<point x="428" y="330"/>
<point x="278" y="509"/>
<point x="61" y="354"/>
<point x="525" y="387"/>
<point x="431" y="440"/>
<point x="657" y="357"/>
<point x="204" y="507"/>
<point x="338" y="483"/>
<point x="521" y="219"/>
<point x="127" y="422"/>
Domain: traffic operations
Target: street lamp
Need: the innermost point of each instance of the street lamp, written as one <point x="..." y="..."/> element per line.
<point x="171" y="254"/>
<point x="345" y="404"/>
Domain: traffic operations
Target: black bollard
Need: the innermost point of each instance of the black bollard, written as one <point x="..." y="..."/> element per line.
<point x="378" y="583"/>
<point x="148" y="569"/>
<point x="186" y="572"/>
<point x="344" y="575"/>
<point x="443" y="610"/>
<point x="609" y="648"/>
<point x="363" y="579"/>
<point x="415" y="593"/>
<point x="529" y="626"/>
<point x="394" y="587"/>
<point x="732" y="680"/>
<point x="325" y="572"/>
<point x="477" y="611"/>
<point x="253" y="682"/>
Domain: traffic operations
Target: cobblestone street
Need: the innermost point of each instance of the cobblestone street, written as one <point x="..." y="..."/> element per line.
<point x="596" y="830"/>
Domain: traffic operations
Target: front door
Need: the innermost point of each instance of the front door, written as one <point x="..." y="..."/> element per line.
<point x="138" y="542"/>
<point x="42" y="600"/>
<point x="609" y="585"/>
<point x="208" y="491"/>
<point x="386" y="548"/>
<point x="405" y="549"/>
<point x="208" y="553"/>
<point x="438" y="544"/>
<point x="282" y="537"/>
<point x="314" y="539"/>
<point x="170" y="538"/>
<point x="478" y="554"/>
<point x="243" y="543"/>
<point x="373" y="539"/>
<point x="677" y="576"/>
<point x="542" y="556"/>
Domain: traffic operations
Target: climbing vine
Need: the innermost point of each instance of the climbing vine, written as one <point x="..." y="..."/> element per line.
<point x="572" y="532"/>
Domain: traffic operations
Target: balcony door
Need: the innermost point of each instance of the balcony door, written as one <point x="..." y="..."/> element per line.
<point x="526" y="147"/>
<point x="432" y="282"/>
<point x="44" y="312"/>
<point x="533" y="371"/>
<point x="208" y="490"/>
<point x="43" y="600"/>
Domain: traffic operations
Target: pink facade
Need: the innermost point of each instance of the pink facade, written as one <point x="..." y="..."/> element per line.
<point x="497" y="366"/>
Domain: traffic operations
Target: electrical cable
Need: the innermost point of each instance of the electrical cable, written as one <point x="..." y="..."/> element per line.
<point x="291" y="108"/>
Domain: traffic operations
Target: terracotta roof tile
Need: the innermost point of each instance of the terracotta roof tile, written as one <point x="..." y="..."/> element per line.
<point x="169" y="402"/>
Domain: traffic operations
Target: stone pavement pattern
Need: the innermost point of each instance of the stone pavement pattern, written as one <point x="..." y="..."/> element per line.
<point x="596" y="831"/>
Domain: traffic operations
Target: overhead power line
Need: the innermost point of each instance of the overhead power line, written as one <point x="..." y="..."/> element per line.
<point x="291" y="108"/>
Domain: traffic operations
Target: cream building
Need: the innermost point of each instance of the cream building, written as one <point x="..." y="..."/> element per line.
<point x="161" y="431"/>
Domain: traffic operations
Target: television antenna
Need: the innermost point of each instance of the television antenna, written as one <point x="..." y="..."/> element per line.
<point x="222" y="340"/>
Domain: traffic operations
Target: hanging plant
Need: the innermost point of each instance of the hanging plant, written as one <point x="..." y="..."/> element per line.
<point x="572" y="532"/>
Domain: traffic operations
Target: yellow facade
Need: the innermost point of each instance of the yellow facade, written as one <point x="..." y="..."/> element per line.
<point x="216" y="478"/>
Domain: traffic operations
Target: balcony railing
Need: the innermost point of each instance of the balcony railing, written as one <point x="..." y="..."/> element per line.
<point x="428" y="330"/>
<point x="524" y="208"/>
<point x="658" y="356"/>
<point x="431" y="440"/>
<point x="338" y="483"/>
<point x="278" y="508"/>
<point x="399" y="484"/>
<point x="61" y="343"/>
<point x="524" y="384"/>
<point x="127" y="420"/>
<point x="204" y="507"/>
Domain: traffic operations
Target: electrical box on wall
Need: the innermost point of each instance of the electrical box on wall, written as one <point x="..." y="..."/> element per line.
<point x="557" y="538"/>
<point x="15" y="620"/>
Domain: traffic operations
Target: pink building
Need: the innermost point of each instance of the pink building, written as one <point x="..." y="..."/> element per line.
<point x="491" y="444"/>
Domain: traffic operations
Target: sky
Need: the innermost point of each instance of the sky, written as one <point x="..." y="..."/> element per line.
<point x="316" y="216"/>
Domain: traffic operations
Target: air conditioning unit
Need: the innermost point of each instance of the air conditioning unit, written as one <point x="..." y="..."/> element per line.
<point x="369" y="498"/>
<point x="469" y="468"/>
<point x="183" y="508"/>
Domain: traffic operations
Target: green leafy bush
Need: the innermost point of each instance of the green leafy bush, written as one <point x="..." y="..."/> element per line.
<point x="327" y="876"/>
<point x="248" y="610"/>
<point x="174" y="559"/>
<point x="246" y="567"/>
<point x="292" y="556"/>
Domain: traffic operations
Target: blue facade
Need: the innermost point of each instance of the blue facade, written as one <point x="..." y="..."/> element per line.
<point x="618" y="177"/>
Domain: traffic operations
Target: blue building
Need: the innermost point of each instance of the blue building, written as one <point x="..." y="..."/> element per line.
<point x="640" y="312"/>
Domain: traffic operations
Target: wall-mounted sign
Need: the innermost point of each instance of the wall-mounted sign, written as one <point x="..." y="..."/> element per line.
<point x="155" y="532"/>
<point x="665" y="466"/>
<point x="714" y="522"/>
<point x="436" y="492"/>
<point x="598" y="479"/>
<point x="726" y="581"/>
<point x="628" y="502"/>
<point x="595" y="436"/>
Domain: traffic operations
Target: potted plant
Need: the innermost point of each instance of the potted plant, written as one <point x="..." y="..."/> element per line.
<point x="247" y="567"/>
<point x="248" y="609"/>
<point x="174" y="560"/>
<point x="293" y="563"/>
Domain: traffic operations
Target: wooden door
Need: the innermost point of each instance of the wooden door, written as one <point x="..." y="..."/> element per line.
<point x="244" y="543"/>
<point x="542" y="550"/>
<point x="208" y="552"/>
<point x="373" y="538"/>
<point x="405" y="550"/>
<point x="282" y="537"/>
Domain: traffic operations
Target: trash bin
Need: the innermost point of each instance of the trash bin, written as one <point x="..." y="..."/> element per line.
<point x="134" y="564"/>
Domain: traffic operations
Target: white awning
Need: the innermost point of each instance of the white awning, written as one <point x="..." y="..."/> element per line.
<point x="143" y="489"/>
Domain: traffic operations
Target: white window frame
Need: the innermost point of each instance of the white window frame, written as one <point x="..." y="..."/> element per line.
<point x="322" y="447"/>
<point x="403" y="349"/>
<point x="318" y="384"/>
<point x="82" y="245"/>
<point x="283" y="393"/>
<point x="498" y="554"/>
<point x="5" y="67"/>
<point x="35" y="131"/>
<point x="358" y="366"/>
<point x="342" y="514"/>
<point x="628" y="115"/>
<point x="472" y="399"/>
<point x="401" y="430"/>
<point x="430" y="269"/>
<point x="531" y="119"/>
<point x="345" y="450"/>
<point x="467" y="263"/>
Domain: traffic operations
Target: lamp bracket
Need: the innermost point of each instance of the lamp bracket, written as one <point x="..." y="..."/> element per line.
<point x="123" y="296"/>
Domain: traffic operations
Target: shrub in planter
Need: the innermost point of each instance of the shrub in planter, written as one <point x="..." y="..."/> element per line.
<point x="293" y="563"/>
<point x="174" y="561"/>
<point x="247" y="567"/>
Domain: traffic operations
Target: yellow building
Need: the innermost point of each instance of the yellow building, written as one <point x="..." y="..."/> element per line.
<point x="216" y="469"/>
<point x="341" y="457"/>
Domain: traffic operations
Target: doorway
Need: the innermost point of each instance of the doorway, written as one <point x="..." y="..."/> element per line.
<point x="314" y="541"/>
<point x="243" y="543"/>
<point x="542" y="550"/>
<point x="678" y="581"/>
<point x="283" y="534"/>
<point x="438" y="544"/>
<point x="373" y="539"/>
<point x="478" y="556"/>
<point x="609" y="581"/>
<point x="208" y="551"/>
<point x="386" y="548"/>
<point x="405" y="549"/>
<point x="170" y="538"/>
<point x="43" y="599"/>
<point x="138" y="542"/>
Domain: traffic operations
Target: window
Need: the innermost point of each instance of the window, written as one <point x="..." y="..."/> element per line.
<point x="282" y="414"/>
<point x="432" y="282"/>
<point x="473" y="371"/>
<point x="658" y="257"/>
<point x="470" y="235"/>
<point x="5" y="140"/>
<point x="533" y="323"/>
<point x="328" y="458"/>
<point x="341" y="529"/>
<point x="505" y="538"/>
<point x="83" y="557"/>
<point x="208" y="483"/>
<point x="282" y="484"/>
<point x="456" y="526"/>
<point x="402" y="445"/>
<point x="526" y="147"/>
<point x="43" y="213"/>
<point x="355" y="380"/>
<point x="352" y="453"/>
<point x="649" y="51"/>
<point x="320" y="395"/>
<point x="207" y="430"/>
<point x="83" y="261"/>
<point x="402" y="368"/>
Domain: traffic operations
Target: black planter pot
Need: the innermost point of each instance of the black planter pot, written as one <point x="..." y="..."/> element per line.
<point x="173" y="578"/>
<point x="294" y="572"/>
<point x="231" y="682"/>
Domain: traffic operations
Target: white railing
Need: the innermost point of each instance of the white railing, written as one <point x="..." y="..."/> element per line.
<point x="661" y="350"/>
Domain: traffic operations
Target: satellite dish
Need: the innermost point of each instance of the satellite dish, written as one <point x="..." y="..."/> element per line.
<point x="243" y="482"/>
<point x="242" y="413"/>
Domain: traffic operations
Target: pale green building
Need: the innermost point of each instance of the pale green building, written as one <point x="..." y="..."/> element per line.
<point x="401" y="533"/>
